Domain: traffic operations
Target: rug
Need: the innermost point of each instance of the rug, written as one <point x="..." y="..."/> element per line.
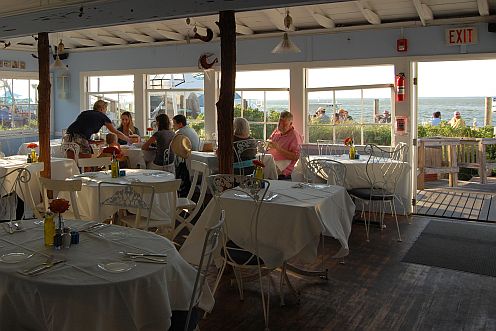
<point x="468" y="246"/>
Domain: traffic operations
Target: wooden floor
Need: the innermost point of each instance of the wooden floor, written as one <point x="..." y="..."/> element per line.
<point x="373" y="290"/>
<point x="470" y="200"/>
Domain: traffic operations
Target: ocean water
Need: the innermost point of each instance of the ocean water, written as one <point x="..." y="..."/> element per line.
<point x="470" y="108"/>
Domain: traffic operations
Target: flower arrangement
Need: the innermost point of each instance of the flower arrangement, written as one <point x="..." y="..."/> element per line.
<point x="59" y="205"/>
<point x="348" y="141"/>
<point x="258" y="164"/>
<point x="32" y="145"/>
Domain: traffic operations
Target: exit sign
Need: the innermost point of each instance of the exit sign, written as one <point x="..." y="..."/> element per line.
<point x="461" y="36"/>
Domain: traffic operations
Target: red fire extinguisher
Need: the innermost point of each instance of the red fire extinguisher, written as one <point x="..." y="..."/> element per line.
<point x="400" y="87"/>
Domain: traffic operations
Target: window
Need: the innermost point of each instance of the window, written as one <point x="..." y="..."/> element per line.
<point x="260" y="97"/>
<point x="118" y="91"/>
<point x="173" y="94"/>
<point x="350" y="102"/>
<point x="18" y="104"/>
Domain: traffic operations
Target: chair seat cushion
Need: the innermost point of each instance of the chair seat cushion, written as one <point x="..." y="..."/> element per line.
<point x="371" y="194"/>
<point x="239" y="255"/>
<point x="185" y="203"/>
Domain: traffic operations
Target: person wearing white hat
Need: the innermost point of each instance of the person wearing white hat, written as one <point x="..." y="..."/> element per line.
<point x="457" y="121"/>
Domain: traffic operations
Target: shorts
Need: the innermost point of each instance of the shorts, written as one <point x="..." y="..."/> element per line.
<point x="83" y="143"/>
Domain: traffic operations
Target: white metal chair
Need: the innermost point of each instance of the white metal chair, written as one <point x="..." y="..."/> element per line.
<point x="325" y="147"/>
<point x="12" y="183"/>
<point x="239" y="258"/>
<point x="331" y="171"/>
<point x="139" y="198"/>
<point x="70" y="150"/>
<point x="383" y="171"/>
<point x="245" y="152"/>
<point x="210" y="245"/>
<point x="187" y="204"/>
<point x="71" y="186"/>
<point x="94" y="163"/>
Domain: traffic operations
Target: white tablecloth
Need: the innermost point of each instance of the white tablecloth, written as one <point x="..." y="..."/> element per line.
<point x="54" y="148"/>
<point x="61" y="169"/>
<point x="138" y="158"/>
<point x="79" y="295"/>
<point x="87" y="198"/>
<point x="290" y="225"/>
<point x="210" y="158"/>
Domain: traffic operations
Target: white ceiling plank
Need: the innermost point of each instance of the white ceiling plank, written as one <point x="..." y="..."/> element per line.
<point x="105" y="39"/>
<point x="322" y="20"/>
<point x="130" y="36"/>
<point x="424" y="11"/>
<point x="483" y="6"/>
<point x="170" y="34"/>
<point x="243" y="29"/>
<point x="85" y="41"/>
<point x="368" y="13"/>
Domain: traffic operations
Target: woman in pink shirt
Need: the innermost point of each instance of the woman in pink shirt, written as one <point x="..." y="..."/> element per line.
<point x="285" y="145"/>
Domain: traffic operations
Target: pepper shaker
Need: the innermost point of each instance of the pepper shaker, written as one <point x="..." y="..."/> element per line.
<point x="57" y="239"/>
<point x="66" y="238"/>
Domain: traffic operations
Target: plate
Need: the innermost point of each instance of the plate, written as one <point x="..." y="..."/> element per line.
<point x="268" y="197"/>
<point x="14" y="257"/>
<point x="113" y="235"/>
<point x="117" y="266"/>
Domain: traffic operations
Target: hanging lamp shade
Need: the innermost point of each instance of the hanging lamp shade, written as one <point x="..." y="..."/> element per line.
<point x="58" y="64"/>
<point x="286" y="46"/>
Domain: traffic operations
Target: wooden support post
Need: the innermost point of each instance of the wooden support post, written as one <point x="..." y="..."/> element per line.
<point x="482" y="162"/>
<point x="453" y="163"/>
<point x="421" y="166"/>
<point x="44" y="102"/>
<point x="488" y="113"/>
<point x="225" y="105"/>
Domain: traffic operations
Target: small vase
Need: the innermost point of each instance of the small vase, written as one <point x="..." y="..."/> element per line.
<point x="352" y="152"/>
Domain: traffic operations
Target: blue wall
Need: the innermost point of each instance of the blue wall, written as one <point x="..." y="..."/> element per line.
<point x="366" y="44"/>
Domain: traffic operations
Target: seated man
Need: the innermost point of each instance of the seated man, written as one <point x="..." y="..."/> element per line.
<point x="181" y="126"/>
<point x="285" y="145"/>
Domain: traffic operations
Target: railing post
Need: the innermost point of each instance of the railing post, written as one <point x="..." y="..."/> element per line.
<point x="482" y="162"/>
<point x="421" y="165"/>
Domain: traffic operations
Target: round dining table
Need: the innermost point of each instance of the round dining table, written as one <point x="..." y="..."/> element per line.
<point x="88" y="200"/>
<point x="94" y="285"/>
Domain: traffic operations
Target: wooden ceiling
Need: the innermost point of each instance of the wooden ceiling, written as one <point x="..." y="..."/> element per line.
<point x="325" y="17"/>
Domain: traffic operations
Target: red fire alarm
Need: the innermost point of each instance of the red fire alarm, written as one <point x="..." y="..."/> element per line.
<point x="402" y="45"/>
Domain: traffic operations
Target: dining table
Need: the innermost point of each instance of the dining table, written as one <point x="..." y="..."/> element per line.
<point x="210" y="158"/>
<point x="290" y="224"/>
<point x="55" y="148"/>
<point x="30" y="193"/>
<point x="88" y="200"/>
<point x="138" y="158"/>
<point x="115" y="278"/>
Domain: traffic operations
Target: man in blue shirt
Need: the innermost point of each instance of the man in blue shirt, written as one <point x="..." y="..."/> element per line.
<point x="436" y="118"/>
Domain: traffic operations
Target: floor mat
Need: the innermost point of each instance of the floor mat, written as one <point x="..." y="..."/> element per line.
<point x="469" y="247"/>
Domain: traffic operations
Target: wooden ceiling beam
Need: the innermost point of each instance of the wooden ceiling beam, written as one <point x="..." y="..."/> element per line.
<point x="369" y="14"/>
<point x="169" y="34"/>
<point x="322" y="20"/>
<point x="278" y="19"/>
<point x="424" y="12"/>
<point x="104" y="38"/>
<point x="85" y="41"/>
<point x="243" y="29"/>
<point x="483" y="6"/>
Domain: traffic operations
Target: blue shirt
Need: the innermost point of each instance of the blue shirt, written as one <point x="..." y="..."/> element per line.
<point x="436" y="121"/>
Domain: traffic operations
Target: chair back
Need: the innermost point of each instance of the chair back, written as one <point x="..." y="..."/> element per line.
<point x="385" y="166"/>
<point x="333" y="172"/>
<point x="325" y="147"/>
<point x="210" y="244"/>
<point x="70" y="150"/>
<point x="71" y="186"/>
<point x="308" y="174"/>
<point x="245" y="152"/>
<point x="13" y="182"/>
<point x="200" y="172"/>
<point x="94" y="162"/>
<point x="250" y="188"/>
<point x="138" y="196"/>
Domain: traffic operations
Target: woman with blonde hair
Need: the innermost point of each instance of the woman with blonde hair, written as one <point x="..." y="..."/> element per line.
<point x="127" y="126"/>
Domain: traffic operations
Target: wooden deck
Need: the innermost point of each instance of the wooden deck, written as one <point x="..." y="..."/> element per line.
<point x="470" y="201"/>
<point x="373" y="290"/>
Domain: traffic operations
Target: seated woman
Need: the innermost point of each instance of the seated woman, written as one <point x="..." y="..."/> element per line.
<point x="127" y="127"/>
<point x="245" y="147"/>
<point x="162" y="138"/>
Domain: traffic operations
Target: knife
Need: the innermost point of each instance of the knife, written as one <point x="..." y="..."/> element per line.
<point x="42" y="267"/>
<point x="144" y="254"/>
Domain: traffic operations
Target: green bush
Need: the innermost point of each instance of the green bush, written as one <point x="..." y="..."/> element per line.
<point x="372" y="134"/>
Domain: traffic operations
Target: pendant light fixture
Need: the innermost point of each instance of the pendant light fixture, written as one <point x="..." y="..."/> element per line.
<point x="58" y="64"/>
<point x="286" y="45"/>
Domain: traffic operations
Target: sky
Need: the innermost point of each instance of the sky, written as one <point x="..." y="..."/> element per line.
<point x="457" y="79"/>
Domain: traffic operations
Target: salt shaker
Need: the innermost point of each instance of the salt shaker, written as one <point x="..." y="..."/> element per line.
<point x="57" y="239"/>
<point x="66" y="238"/>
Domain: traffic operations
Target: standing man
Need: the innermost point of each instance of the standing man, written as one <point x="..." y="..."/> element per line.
<point x="285" y="145"/>
<point x="181" y="126"/>
<point x="89" y="122"/>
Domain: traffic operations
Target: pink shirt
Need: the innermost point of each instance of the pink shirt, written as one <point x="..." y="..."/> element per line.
<point x="291" y="141"/>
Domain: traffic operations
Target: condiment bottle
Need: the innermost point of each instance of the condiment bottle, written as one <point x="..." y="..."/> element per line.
<point x="66" y="238"/>
<point x="49" y="229"/>
<point x="30" y="160"/>
<point x="57" y="239"/>
<point x="114" y="166"/>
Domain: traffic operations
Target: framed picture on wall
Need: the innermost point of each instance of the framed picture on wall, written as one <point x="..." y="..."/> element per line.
<point x="22" y="65"/>
<point x="15" y="64"/>
<point x="7" y="64"/>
